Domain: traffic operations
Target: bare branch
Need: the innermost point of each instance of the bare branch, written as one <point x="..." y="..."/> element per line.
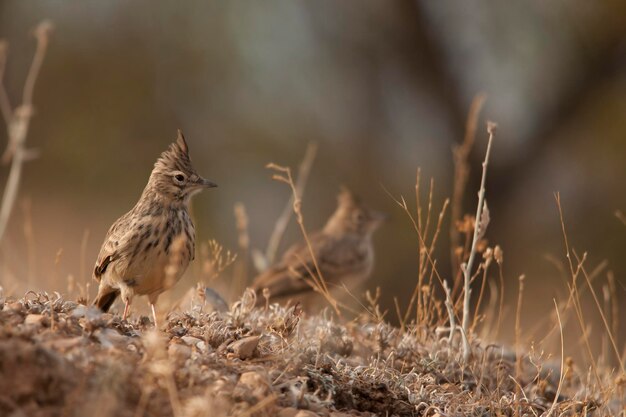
<point x="17" y="127"/>
<point x="5" y="104"/>
<point x="467" y="268"/>
<point x="461" y="171"/>
<point x="42" y="32"/>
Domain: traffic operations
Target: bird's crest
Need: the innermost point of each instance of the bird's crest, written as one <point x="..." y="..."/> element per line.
<point x="176" y="157"/>
<point x="346" y="198"/>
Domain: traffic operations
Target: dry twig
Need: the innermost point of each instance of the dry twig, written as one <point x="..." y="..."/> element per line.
<point x="574" y="293"/>
<point x="317" y="280"/>
<point x="460" y="156"/>
<point x="283" y="220"/>
<point x="479" y="230"/>
<point x="17" y="122"/>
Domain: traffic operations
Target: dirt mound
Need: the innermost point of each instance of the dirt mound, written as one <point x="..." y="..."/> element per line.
<point x="58" y="357"/>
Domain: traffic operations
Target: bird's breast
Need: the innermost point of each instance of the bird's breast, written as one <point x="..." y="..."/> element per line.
<point x="167" y="255"/>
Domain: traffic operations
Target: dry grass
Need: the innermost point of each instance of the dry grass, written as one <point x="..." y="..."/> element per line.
<point x="65" y="358"/>
<point x="317" y="281"/>
<point x="60" y="357"/>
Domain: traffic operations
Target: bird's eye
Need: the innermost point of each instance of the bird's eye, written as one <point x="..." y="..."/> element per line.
<point x="179" y="178"/>
<point x="359" y="217"/>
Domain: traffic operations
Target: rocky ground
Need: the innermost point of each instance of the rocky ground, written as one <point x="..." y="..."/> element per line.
<point x="61" y="358"/>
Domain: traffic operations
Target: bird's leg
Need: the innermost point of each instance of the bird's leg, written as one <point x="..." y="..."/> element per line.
<point x="126" y="309"/>
<point x="127" y="296"/>
<point x="154" y="317"/>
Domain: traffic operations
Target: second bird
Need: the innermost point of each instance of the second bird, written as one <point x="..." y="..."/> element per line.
<point x="147" y="250"/>
<point x="343" y="249"/>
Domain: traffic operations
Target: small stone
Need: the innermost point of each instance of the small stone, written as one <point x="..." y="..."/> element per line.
<point x="288" y="412"/>
<point x="202" y="346"/>
<point x="244" y="348"/>
<point x="33" y="319"/>
<point x="306" y="413"/>
<point x="294" y="412"/>
<point x="14" y="306"/>
<point x="179" y="351"/>
<point x="252" y="384"/>
<point x="179" y="331"/>
<point x="191" y="341"/>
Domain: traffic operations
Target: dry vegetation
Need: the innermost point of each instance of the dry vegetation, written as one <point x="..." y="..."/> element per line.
<point x="59" y="357"/>
<point x="62" y="357"/>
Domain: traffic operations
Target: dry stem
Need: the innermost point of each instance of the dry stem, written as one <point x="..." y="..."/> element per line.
<point x="422" y="242"/>
<point x="425" y="250"/>
<point x="562" y="374"/>
<point x="5" y="104"/>
<point x="574" y="295"/>
<point x="461" y="172"/>
<point x="283" y="220"/>
<point x="18" y="122"/>
<point x="604" y="321"/>
<point x="240" y="278"/>
<point x="450" y="309"/>
<point x="318" y="281"/>
<point x="467" y="268"/>
<point x="518" y="328"/>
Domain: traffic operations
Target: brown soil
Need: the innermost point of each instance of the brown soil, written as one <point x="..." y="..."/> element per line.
<point x="61" y="358"/>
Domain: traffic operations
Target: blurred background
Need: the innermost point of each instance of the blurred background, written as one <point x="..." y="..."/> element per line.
<point x="383" y="87"/>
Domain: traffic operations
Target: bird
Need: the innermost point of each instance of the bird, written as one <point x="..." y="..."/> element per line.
<point x="147" y="250"/>
<point x="343" y="249"/>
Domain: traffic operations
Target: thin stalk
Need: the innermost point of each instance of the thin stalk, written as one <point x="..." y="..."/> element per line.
<point x="467" y="268"/>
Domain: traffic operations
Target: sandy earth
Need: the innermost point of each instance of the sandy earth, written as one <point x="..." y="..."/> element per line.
<point x="258" y="362"/>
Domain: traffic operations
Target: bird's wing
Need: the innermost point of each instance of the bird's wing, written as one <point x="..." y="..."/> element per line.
<point x="113" y="246"/>
<point x="289" y="276"/>
<point x="292" y="275"/>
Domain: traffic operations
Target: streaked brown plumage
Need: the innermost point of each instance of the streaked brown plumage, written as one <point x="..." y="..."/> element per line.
<point x="146" y="251"/>
<point x="343" y="249"/>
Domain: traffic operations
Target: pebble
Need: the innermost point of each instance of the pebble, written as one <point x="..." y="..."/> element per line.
<point x="254" y="384"/>
<point x="34" y="319"/>
<point x="244" y="348"/>
<point x="294" y="412"/>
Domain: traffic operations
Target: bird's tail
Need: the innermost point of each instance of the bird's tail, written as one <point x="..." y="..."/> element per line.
<point x="105" y="298"/>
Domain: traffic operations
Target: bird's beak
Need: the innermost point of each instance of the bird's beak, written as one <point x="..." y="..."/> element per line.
<point x="206" y="183"/>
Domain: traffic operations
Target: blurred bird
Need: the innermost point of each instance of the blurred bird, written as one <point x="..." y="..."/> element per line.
<point x="343" y="250"/>
<point x="147" y="250"/>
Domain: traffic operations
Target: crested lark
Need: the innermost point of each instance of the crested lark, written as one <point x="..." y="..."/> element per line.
<point x="147" y="250"/>
<point x="343" y="249"/>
